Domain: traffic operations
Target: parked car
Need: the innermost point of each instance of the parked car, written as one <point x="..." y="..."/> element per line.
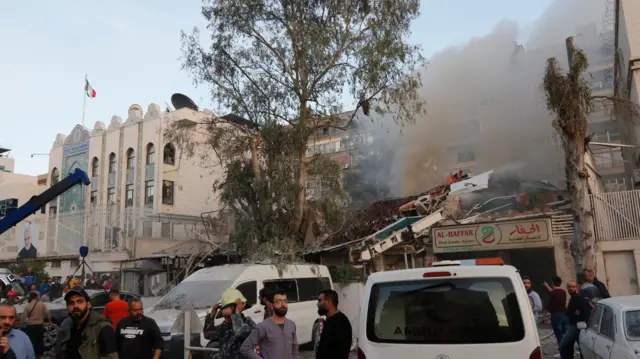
<point x="613" y="330"/>
<point x="203" y="288"/>
<point x="58" y="310"/>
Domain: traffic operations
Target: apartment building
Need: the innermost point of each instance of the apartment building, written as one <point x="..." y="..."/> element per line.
<point x="145" y="196"/>
<point x="627" y="81"/>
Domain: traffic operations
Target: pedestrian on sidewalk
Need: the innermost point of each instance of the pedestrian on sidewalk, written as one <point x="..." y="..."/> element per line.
<point x="577" y="311"/>
<point x="335" y="339"/>
<point x="557" y="308"/>
<point x="33" y="322"/>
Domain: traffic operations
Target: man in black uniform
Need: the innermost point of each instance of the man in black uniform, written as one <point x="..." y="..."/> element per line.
<point x="335" y="339"/>
<point x="137" y="336"/>
<point x="577" y="311"/>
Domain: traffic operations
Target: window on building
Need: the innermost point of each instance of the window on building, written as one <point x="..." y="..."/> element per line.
<point x="111" y="195"/>
<point x="112" y="163"/>
<point x="94" y="198"/>
<point x="149" y="189"/>
<point x="466" y="156"/>
<point x="95" y="167"/>
<point x="129" y="201"/>
<point x="169" y="154"/>
<point x="151" y="154"/>
<point x="165" y="230"/>
<point x="344" y="144"/>
<point x="56" y="264"/>
<point x="167" y="192"/>
<point x="53" y="210"/>
<point x="131" y="158"/>
<point x="147" y="229"/>
<point x="55" y="176"/>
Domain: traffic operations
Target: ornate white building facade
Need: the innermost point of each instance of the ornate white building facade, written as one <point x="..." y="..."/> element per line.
<point x="144" y="195"/>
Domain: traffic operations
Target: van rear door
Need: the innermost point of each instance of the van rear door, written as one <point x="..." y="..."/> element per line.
<point x="449" y="312"/>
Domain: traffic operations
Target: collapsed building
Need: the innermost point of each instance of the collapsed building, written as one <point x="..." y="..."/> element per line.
<point x="493" y="214"/>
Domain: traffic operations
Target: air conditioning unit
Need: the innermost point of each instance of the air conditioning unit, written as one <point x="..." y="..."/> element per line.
<point x="636" y="175"/>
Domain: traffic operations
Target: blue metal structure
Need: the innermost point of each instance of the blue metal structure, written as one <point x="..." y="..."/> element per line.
<point x="36" y="202"/>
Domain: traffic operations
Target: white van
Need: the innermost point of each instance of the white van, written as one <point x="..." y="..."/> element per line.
<point x="203" y="289"/>
<point x="452" y="311"/>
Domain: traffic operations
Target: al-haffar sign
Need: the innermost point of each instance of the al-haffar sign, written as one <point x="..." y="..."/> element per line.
<point x="489" y="236"/>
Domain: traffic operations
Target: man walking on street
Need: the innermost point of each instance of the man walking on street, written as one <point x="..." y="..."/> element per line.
<point x="85" y="334"/>
<point x="335" y="339"/>
<point x="557" y="307"/>
<point x="588" y="291"/>
<point x="591" y="277"/>
<point x="234" y="330"/>
<point x="577" y="311"/>
<point x="276" y="336"/>
<point x="534" y="297"/>
<point x="18" y="340"/>
<point x="137" y="336"/>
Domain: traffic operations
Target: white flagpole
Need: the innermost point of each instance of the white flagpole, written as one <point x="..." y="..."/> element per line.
<point x="84" y="103"/>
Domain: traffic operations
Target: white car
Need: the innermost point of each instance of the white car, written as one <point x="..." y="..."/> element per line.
<point x="613" y="331"/>
<point x="457" y="309"/>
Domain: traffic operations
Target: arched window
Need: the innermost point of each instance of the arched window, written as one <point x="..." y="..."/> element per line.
<point x="95" y="167"/>
<point x="169" y="154"/>
<point x="112" y="163"/>
<point x="131" y="157"/>
<point x="151" y="154"/>
<point x="55" y="176"/>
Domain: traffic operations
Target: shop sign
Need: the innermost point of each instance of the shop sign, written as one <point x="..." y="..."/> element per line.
<point x="533" y="233"/>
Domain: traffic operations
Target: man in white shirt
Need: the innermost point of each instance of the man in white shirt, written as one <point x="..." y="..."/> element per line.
<point x="536" y="302"/>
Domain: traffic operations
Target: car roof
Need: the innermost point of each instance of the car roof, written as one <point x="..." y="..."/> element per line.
<point x="622" y="303"/>
<point x="403" y="274"/>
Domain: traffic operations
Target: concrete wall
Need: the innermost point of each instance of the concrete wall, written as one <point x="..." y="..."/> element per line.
<point x="350" y="297"/>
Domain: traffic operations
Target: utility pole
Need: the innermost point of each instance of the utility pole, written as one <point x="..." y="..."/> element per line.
<point x="570" y="50"/>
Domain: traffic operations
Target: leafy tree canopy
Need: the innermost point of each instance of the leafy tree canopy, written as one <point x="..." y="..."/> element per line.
<point x="287" y="66"/>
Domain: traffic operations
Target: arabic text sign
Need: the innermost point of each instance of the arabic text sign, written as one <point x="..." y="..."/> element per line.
<point x="492" y="236"/>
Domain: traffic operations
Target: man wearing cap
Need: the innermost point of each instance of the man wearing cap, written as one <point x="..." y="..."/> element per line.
<point x="235" y="328"/>
<point x="85" y="334"/>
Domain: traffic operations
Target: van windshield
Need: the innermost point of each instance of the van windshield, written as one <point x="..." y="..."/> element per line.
<point x="201" y="294"/>
<point x="445" y="311"/>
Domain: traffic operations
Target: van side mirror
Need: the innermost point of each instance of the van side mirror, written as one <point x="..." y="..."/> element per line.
<point x="581" y="325"/>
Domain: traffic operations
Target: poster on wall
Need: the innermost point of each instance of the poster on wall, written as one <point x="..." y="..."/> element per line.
<point x="28" y="241"/>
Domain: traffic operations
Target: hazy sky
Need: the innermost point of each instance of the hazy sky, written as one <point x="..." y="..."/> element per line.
<point x="130" y="50"/>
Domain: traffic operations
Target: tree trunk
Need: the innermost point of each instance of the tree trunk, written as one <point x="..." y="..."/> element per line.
<point x="302" y="171"/>
<point x="260" y="187"/>
<point x="583" y="241"/>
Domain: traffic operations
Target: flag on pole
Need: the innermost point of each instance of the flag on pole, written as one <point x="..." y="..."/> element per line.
<point x="88" y="89"/>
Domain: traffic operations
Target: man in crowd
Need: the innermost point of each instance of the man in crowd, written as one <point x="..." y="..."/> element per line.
<point x="336" y="336"/>
<point x="30" y="278"/>
<point x="18" y="340"/>
<point x="33" y="316"/>
<point x="577" y="311"/>
<point x="534" y="297"/>
<point x="235" y="328"/>
<point x="116" y="309"/>
<point x="591" y="277"/>
<point x="266" y="299"/>
<point x="589" y="291"/>
<point x="137" y="336"/>
<point x="85" y="334"/>
<point x="557" y="307"/>
<point x="276" y="337"/>
<point x="56" y="289"/>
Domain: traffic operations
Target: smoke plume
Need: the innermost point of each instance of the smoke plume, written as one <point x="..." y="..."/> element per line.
<point x="485" y="105"/>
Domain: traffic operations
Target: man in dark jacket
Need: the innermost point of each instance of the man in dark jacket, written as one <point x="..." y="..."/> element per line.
<point x="577" y="311"/>
<point x="85" y="334"/>
<point x="591" y="277"/>
<point x="5" y="349"/>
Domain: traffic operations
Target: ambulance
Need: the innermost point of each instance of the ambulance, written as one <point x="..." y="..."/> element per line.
<point x="452" y="309"/>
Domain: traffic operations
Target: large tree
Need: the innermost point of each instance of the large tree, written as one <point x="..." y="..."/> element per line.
<point x="287" y="66"/>
<point x="569" y="98"/>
